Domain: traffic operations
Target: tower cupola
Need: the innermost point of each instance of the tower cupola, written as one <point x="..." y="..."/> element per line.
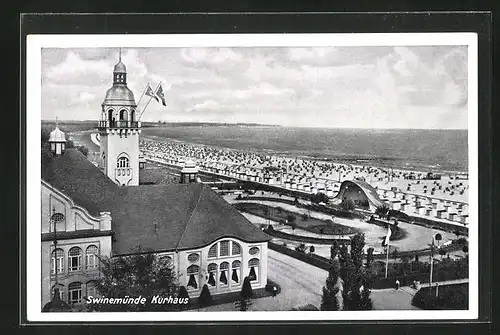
<point x="120" y="72"/>
<point x="57" y="141"/>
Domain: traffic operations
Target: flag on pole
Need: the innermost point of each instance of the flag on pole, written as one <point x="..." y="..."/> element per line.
<point x="160" y="96"/>
<point x="150" y="92"/>
<point x="385" y="242"/>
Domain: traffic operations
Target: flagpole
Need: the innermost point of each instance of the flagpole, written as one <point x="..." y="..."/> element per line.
<point x="386" y="260"/>
<point x="432" y="263"/>
<point x="144" y="109"/>
<point x="140" y="99"/>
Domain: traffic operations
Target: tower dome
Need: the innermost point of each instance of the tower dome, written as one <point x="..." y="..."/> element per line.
<point x="119" y="94"/>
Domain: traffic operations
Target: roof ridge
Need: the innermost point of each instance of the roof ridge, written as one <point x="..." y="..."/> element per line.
<point x="190" y="217"/>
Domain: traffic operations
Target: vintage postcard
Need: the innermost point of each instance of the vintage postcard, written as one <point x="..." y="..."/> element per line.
<point x="273" y="176"/>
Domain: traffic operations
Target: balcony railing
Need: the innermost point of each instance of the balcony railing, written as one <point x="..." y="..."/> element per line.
<point x="119" y="124"/>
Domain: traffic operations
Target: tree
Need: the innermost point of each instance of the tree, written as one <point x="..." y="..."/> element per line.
<point x="395" y="253"/>
<point x="382" y="211"/>
<point x="438" y="238"/>
<point x="141" y="274"/>
<point x="246" y="290"/>
<point x="356" y="279"/>
<point x="45" y="135"/>
<point x="457" y="233"/>
<point x="301" y="248"/>
<point x="465" y="249"/>
<point x="369" y="257"/>
<point x="347" y="205"/>
<point x="442" y="253"/>
<point x="84" y="150"/>
<point x="290" y="218"/>
<point x="329" y="301"/>
<point x="205" y="298"/>
<point x="246" y="294"/>
<point x="183" y="294"/>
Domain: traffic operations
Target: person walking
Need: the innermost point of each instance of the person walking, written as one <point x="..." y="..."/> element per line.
<point x="275" y="291"/>
<point x="397" y="284"/>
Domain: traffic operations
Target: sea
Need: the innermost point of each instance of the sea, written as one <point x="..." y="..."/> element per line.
<point x="433" y="150"/>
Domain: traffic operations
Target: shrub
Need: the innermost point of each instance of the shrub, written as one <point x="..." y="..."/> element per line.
<point x="205" y="297"/>
<point x="301" y="248"/>
<point x="246" y="290"/>
<point x="308" y="307"/>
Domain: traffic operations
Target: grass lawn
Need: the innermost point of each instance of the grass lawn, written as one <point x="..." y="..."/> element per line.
<point x="301" y="220"/>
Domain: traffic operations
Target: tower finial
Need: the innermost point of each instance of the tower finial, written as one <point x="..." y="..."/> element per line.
<point x="120" y="57"/>
<point x="57" y="122"/>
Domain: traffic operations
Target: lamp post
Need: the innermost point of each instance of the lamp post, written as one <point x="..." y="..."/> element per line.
<point x="431" y="263"/>
<point x="56" y="286"/>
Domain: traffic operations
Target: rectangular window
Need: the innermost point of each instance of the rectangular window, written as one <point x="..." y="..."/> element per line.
<point x="75" y="296"/>
<point x="224" y="248"/>
<point x="74" y="263"/>
<point x="60" y="265"/>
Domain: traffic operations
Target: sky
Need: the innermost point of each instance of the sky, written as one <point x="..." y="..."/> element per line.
<point x="421" y="87"/>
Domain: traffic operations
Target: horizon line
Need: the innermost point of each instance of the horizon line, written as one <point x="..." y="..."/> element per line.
<point x="264" y="124"/>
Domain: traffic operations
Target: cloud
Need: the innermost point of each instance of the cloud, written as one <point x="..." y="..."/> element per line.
<point x="334" y="87"/>
<point x="86" y="96"/>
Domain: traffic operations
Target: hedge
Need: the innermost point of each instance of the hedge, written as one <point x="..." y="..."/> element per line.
<point x="305" y="239"/>
<point x="313" y="259"/>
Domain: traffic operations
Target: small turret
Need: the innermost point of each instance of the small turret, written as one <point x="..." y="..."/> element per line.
<point x="189" y="173"/>
<point x="57" y="141"/>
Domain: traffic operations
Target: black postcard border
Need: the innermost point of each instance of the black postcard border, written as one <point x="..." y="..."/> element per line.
<point x="203" y="23"/>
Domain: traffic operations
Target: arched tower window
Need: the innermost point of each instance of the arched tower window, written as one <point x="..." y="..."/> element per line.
<point x="132" y="115"/>
<point x="123" y="115"/>
<point x="123" y="162"/>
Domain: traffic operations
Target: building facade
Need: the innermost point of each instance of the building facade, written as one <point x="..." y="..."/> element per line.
<point x="91" y="211"/>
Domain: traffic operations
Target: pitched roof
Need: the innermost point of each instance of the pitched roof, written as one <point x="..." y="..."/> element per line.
<point x="186" y="215"/>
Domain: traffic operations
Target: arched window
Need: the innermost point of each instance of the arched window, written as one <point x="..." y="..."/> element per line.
<point x="61" y="291"/>
<point x="132" y="115"/>
<point x="57" y="259"/>
<point x="253" y="264"/>
<point x="92" y="289"/>
<point x="224" y="248"/>
<point x="123" y="162"/>
<point x="212" y="274"/>
<point x="91" y="257"/>
<point x="236" y="272"/>
<point x="223" y="269"/>
<point x="236" y="249"/>
<point x="123" y="115"/>
<point x="75" y="293"/>
<point x="212" y="252"/>
<point x="110" y="117"/>
<point x="192" y="274"/>
<point x="75" y="259"/>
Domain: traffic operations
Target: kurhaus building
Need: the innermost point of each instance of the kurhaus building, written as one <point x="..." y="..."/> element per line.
<point x="90" y="211"/>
